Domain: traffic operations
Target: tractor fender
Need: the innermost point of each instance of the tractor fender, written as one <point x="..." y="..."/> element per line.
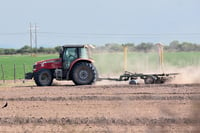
<point x="74" y="63"/>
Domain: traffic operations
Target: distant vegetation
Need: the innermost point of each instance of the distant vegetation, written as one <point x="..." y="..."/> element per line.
<point x="23" y="63"/>
<point x="27" y="50"/>
<point x="174" y="46"/>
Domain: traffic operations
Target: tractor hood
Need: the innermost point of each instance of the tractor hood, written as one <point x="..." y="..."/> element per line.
<point x="48" y="64"/>
<point x="49" y="61"/>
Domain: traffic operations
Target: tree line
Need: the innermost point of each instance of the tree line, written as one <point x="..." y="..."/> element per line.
<point x="174" y="46"/>
<point x="27" y="50"/>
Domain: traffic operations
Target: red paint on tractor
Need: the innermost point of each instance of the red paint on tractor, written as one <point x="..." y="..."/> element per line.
<point x="48" y="64"/>
<point x="55" y="64"/>
<point x="80" y="59"/>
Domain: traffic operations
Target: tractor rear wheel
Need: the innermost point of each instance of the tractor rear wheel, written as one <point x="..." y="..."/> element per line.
<point x="43" y="77"/>
<point x="84" y="73"/>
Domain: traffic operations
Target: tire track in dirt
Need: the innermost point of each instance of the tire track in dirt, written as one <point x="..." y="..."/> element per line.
<point x="117" y="86"/>
<point x="98" y="120"/>
<point x="104" y="98"/>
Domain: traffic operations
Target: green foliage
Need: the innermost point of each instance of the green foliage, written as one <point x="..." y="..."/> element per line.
<point x="182" y="59"/>
<point x="27" y="50"/>
<point x="19" y="61"/>
<point x="58" y="48"/>
<point x="185" y="46"/>
<point x="174" y="46"/>
<point x="146" y="47"/>
<point x="24" y="50"/>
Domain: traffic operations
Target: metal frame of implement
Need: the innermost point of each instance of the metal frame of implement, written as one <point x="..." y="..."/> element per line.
<point x="148" y="78"/>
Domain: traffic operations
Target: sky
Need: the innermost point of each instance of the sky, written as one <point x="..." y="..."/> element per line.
<point x="98" y="22"/>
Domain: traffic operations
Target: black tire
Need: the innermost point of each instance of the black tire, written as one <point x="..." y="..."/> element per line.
<point x="43" y="77"/>
<point x="149" y="80"/>
<point x="133" y="82"/>
<point x="84" y="73"/>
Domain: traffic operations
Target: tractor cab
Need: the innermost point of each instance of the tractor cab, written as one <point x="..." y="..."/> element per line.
<point x="70" y="53"/>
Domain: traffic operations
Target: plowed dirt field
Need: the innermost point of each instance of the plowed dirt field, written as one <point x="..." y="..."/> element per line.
<point x="108" y="108"/>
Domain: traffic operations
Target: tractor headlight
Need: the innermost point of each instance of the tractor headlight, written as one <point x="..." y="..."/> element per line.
<point x="34" y="66"/>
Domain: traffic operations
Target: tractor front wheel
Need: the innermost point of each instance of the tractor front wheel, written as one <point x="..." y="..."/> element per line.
<point x="84" y="73"/>
<point x="43" y="77"/>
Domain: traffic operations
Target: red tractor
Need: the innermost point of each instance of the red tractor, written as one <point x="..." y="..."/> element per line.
<point x="73" y="64"/>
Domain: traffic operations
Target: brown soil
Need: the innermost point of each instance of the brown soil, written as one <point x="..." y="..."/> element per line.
<point x="109" y="108"/>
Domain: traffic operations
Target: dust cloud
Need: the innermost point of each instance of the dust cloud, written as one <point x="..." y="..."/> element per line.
<point x="187" y="75"/>
<point x="111" y="65"/>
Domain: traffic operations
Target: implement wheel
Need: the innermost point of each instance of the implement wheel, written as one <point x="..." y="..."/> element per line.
<point x="149" y="80"/>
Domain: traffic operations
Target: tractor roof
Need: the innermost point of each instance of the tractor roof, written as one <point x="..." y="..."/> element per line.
<point x="74" y="46"/>
<point x="78" y="46"/>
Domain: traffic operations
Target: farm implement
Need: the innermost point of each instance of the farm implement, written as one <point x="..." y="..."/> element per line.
<point x="148" y="78"/>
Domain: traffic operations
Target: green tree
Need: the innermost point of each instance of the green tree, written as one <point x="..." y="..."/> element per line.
<point x="1" y="51"/>
<point x="57" y="48"/>
<point x="41" y="50"/>
<point x="25" y="49"/>
<point x="9" y="51"/>
<point x="113" y="47"/>
<point x="145" y="47"/>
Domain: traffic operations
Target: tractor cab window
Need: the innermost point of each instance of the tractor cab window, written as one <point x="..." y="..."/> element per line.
<point x="70" y="54"/>
<point x="83" y="53"/>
